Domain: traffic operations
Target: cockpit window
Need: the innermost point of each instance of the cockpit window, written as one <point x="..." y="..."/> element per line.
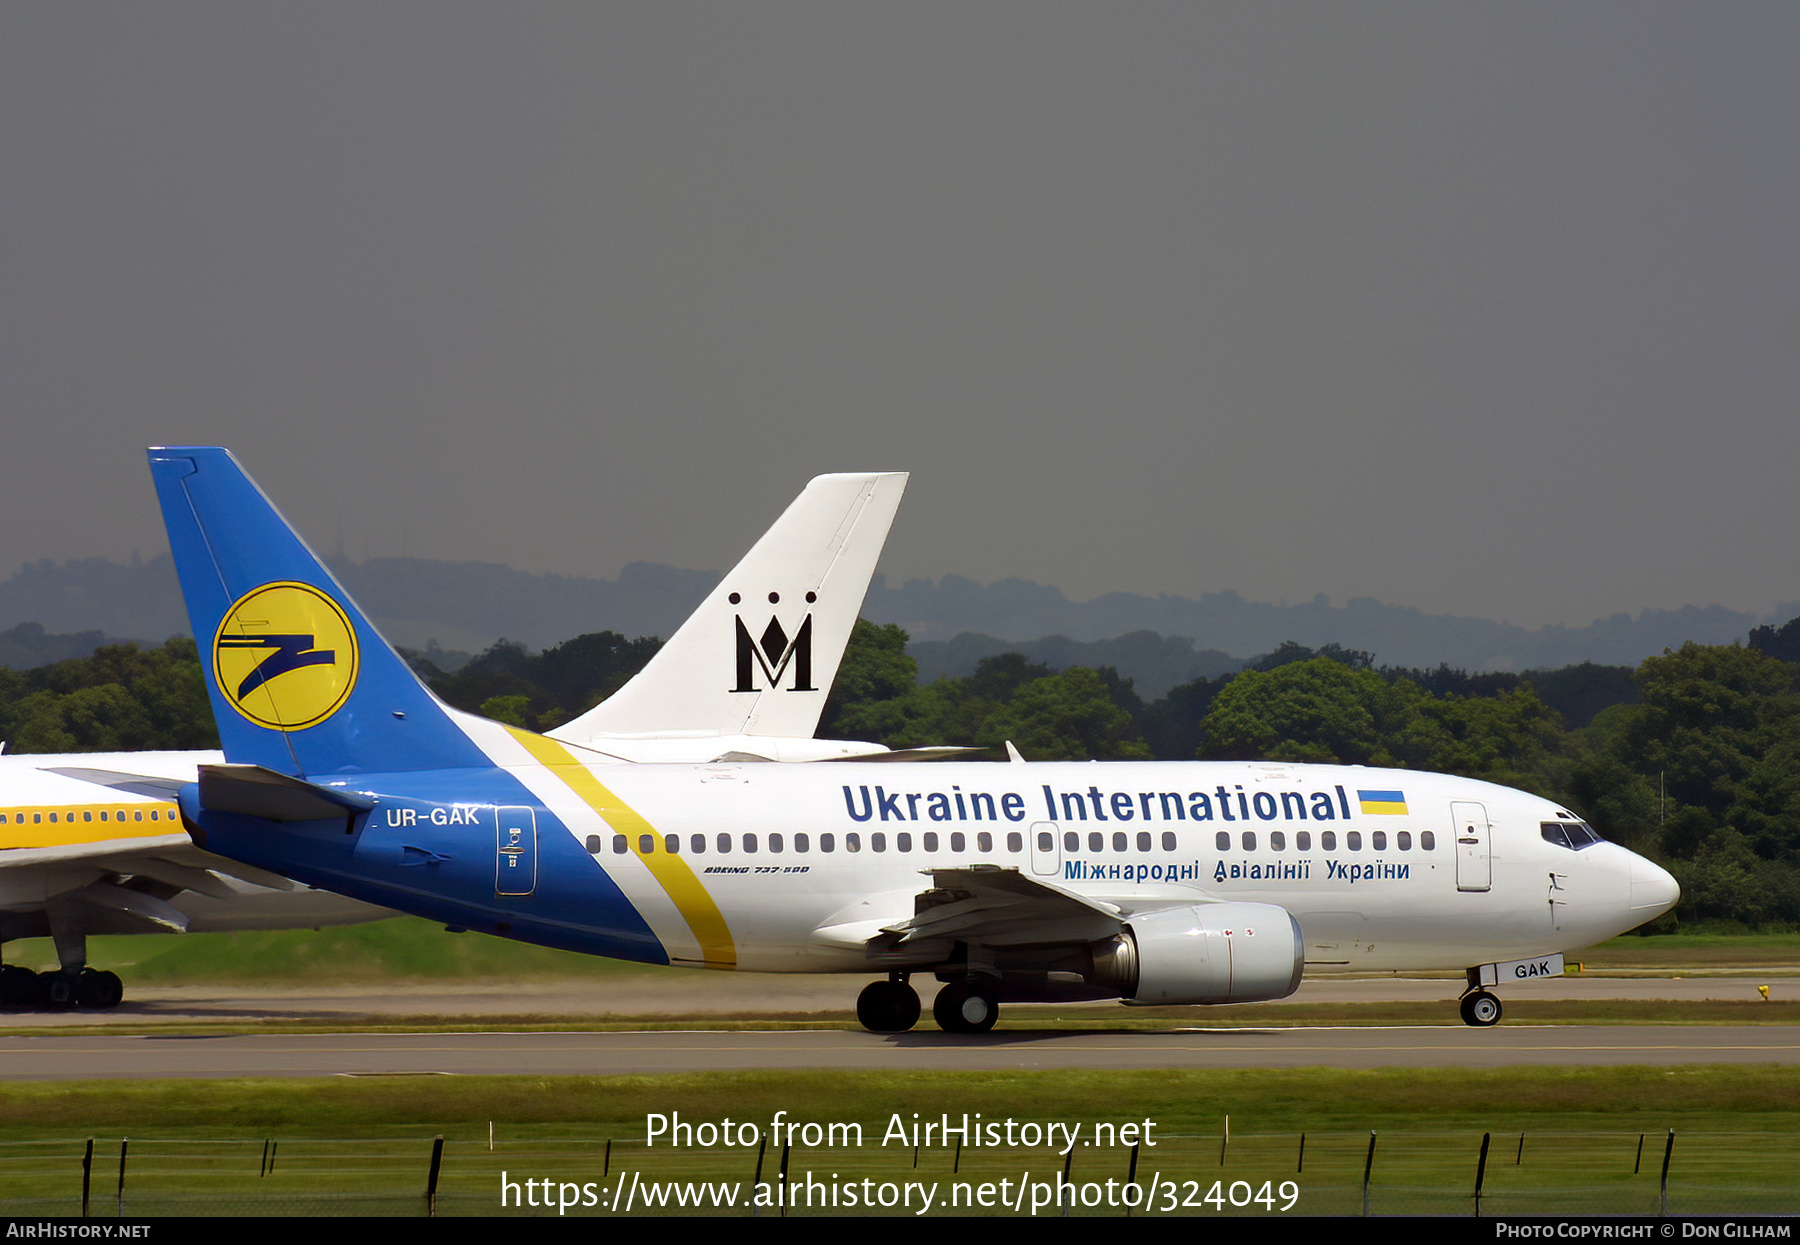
<point x="1573" y="835"/>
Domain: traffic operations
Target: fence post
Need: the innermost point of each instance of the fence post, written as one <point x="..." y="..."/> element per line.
<point x="786" y="1149"/>
<point x="124" y="1143"/>
<point x="1131" y="1176"/>
<point x="762" y="1146"/>
<point x="1368" y="1166"/>
<point x="1668" y="1149"/>
<point x="431" y="1181"/>
<point x="1068" y="1160"/>
<point x="1300" y="1163"/>
<point x="1519" y="1158"/>
<point x="87" y="1175"/>
<point x="1639" y="1160"/>
<point x="1480" y="1173"/>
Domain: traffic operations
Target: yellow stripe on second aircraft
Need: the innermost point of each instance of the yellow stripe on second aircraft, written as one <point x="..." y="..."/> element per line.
<point x="717" y="949"/>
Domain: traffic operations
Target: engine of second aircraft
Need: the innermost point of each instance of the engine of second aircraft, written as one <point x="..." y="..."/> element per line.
<point x="1206" y="953"/>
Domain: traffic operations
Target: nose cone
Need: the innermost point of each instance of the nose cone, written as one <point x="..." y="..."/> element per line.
<point x="1653" y="891"/>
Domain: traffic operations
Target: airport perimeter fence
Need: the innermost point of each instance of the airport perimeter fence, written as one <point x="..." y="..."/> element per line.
<point x="1336" y="1173"/>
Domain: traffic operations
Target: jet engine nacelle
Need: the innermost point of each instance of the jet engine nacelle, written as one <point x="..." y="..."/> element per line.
<point x="1207" y="953"/>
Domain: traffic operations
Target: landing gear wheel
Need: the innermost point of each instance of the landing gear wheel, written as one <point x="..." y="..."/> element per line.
<point x="18" y="986"/>
<point x="1480" y="1009"/>
<point x="98" y="990"/>
<point x="887" y="1007"/>
<point x="58" y="989"/>
<point x="965" y="1007"/>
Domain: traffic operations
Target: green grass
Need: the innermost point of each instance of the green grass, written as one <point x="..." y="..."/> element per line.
<point x="404" y="947"/>
<point x="417" y="950"/>
<point x="1693" y="1097"/>
<point x="362" y="1146"/>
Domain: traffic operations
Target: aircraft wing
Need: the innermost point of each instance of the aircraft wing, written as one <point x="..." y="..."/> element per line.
<point x="995" y="906"/>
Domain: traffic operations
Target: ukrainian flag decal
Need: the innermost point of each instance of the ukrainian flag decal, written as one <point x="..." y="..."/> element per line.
<point x="1383" y="803"/>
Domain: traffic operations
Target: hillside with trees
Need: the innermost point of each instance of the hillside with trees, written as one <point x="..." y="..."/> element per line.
<point x="1692" y="757"/>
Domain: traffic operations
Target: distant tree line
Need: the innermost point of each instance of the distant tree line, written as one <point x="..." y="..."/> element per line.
<point x="1692" y="758"/>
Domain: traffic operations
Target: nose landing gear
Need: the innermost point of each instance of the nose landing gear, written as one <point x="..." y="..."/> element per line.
<point x="1481" y="1009"/>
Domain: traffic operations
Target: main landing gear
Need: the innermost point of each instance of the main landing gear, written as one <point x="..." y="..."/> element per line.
<point x="88" y="988"/>
<point x="1481" y="1009"/>
<point x="889" y="1006"/>
<point x="892" y="1006"/>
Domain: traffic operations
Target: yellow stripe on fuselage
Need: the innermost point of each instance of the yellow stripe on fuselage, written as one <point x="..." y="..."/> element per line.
<point x="64" y="825"/>
<point x="675" y="875"/>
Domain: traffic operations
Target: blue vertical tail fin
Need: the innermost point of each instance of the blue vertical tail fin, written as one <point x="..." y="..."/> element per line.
<point x="300" y="681"/>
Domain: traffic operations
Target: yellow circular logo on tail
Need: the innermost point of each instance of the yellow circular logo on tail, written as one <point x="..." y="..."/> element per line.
<point x="285" y="656"/>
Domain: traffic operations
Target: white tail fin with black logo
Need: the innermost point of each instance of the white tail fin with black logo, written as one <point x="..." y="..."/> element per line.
<point x="758" y="657"/>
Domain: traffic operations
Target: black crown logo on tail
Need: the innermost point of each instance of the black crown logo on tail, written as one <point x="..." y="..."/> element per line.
<point x="774" y="652"/>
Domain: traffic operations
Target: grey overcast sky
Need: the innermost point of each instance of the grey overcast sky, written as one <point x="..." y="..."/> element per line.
<point x="1488" y="309"/>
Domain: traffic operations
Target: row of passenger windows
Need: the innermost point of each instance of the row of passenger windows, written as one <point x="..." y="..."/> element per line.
<point x="68" y="815"/>
<point x="750" y="844"/>
<point x="1353" y="840"/>
<point x="878" y="841"/>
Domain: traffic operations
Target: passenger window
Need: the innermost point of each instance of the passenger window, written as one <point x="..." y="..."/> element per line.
<point x="802" y="843"/>
<point x="828" y="842"/>
<point x="1249" y="840"/>
<point x="750" y="844"/>
<point x="984" y="842"/>
<point x="853" y="842"/>
<point x="697" y="843"/>
<point x="1119" y="841"/>
<point x="903" y="842"/>
<point x="1328" y="840"/>
<point x="1427" y="841"/>
<point x="594" y="845"/>
<point x="1046" y="841"/>
<point x="931" y="841"/>
<point x="1303" y="840"/>
<point x="1222" y="840"/>
<point x="1353" y="840"/>
<point x="1071" y="841"/>
<point x="774" y="842"/>
<point x="1378" y="840"/>
<point x="1404" y="839"/>
<point x="1096" y="841"/>
<point x="1277" y="841"/>
<point x="620" y="846"/>
<point x="724" y="843"/>
<point x="672" y="844"/>
<point x="957" y="842"/>
<point x="646" y="844"/>
<point x="878" y="842"/>
<point x="1015" y="842"/>
<point x="1143" y="840"/>
<point x="1168" y="840"/>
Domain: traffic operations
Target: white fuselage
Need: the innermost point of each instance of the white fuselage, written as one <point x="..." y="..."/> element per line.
<point x="806" y="863"/>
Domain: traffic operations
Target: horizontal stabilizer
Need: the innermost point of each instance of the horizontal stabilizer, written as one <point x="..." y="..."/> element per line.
<point x="258" y="792"/>
<point x="136" y="784"/>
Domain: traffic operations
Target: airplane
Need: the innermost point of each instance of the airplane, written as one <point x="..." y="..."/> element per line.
<point x="92" y="843"/>
<point x="1152" y="883"/>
